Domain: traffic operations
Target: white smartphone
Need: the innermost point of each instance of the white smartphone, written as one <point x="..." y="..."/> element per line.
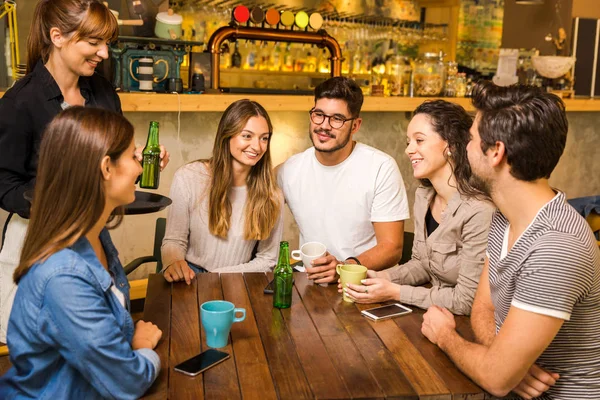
<point x="385" y="312"/>
<point x="201" y="362"/>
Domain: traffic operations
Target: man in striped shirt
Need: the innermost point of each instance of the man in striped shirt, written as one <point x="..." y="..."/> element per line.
<point x="535" y="314"/>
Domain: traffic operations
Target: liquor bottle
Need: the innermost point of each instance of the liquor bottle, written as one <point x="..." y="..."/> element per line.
<point x="263" y="57"/>
<point x="283" y="278"/>
<point x="288" y="59"/>
<point x="251" y="57"/>
<point x="311" y="63"/>
<point x="236" y="57"/>
<point x="151" y="159"/>
<point x="225" y="57"/>
<point x="324" y="63"/>
<point x="275" y="58"/>
<point x="356" y="61"/>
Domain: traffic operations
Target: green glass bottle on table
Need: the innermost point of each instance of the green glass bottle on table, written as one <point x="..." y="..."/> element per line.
<point x="151" y="159"/>
<point x="283" y="278"/>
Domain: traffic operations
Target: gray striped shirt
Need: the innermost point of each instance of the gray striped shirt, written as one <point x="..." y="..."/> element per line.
<point x="553" y="269"/>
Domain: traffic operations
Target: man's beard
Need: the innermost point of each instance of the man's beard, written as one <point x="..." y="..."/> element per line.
<point x="328" y="133"/>
<point x="481" y="184"/>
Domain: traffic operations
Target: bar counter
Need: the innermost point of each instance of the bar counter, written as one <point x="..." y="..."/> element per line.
<point x="159" y="102"/>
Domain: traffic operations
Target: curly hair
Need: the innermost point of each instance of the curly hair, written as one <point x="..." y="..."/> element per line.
<point x="452" y="123"/>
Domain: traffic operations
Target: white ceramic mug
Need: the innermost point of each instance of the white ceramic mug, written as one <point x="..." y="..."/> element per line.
<point x="308" y="252"/>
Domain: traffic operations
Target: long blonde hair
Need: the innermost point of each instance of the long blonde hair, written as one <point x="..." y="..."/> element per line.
<point x="263" y="202"/>
<point x="69" y="196"/>
<point x="82" y="18"/>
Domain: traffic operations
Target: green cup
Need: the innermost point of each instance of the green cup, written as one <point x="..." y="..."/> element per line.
<point x="350" y="273"/>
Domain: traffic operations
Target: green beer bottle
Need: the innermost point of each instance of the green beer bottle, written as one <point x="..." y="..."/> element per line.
<point x="283" y="278"/>
<point x="151" y="159"/>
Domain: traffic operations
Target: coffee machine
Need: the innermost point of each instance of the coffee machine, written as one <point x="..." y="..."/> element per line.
<point x="166" y="56"/>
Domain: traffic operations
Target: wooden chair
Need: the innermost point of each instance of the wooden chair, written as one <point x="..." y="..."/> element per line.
<point x="140" y="286"/>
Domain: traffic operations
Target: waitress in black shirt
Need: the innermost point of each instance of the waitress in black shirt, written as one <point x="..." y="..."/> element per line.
<point x="67" y="41"/>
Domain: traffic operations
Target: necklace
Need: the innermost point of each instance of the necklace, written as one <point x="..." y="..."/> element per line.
<point x="443" y="205"/>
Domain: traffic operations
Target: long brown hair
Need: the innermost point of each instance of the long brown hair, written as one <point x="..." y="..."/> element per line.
<point x="82" y="18"/>
<point x="263" y="203"/>
<point x="69" y="195"/>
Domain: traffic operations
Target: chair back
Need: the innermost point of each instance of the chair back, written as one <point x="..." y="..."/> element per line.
<point x="159" y="234"/>
<point x="409" y="238"/>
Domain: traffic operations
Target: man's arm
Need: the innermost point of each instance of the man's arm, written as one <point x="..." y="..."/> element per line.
<point x="482" y="312"/>
<point x="500" y="367"/>
<point x="388" y="250"/>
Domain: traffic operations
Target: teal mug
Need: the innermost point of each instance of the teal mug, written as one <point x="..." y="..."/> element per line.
<point x="217" y="318"/>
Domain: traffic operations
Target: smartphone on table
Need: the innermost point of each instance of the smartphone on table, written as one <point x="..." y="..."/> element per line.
<point x="201" y="362"/>
<point x="385" y="312"/>
<point x="271" y="286"/>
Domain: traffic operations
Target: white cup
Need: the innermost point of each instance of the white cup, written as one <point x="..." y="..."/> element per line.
<point x="308" y="252"/>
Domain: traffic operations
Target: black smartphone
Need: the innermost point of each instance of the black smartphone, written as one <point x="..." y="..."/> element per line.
<point x="270" y="286"/>
<point x="385" y="312"/>
<point x="201" y="362"/>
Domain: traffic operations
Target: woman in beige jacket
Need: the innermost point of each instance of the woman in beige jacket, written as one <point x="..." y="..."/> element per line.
<point x="451" y="224"/>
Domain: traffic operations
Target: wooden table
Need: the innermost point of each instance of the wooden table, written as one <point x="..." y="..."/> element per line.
<point x="321" y="347"/>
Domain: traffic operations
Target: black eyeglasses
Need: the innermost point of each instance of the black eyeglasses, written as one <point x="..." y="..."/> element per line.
<point x="336" y="121"/>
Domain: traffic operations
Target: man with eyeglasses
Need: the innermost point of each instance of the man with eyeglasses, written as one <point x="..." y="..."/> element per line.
<point x="344" y="194"/>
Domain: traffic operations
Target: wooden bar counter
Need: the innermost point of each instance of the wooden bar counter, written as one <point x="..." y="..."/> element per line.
<point x="160" y="102"/>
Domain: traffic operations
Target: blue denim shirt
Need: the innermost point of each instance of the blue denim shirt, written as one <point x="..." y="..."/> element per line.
<point x="68" y="334"/>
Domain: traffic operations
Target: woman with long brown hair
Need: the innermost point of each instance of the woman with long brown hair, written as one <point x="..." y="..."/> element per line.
<point x="67" y="41"/>
<point x="227" y="205"/>
<point x="70" y="333"/>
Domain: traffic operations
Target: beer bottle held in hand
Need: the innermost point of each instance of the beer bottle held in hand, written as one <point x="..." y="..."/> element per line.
<point x="283" y="277"/>
<point x="151" y="159"/>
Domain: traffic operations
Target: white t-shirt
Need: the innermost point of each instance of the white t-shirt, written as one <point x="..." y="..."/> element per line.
<point x="336" y="205"/>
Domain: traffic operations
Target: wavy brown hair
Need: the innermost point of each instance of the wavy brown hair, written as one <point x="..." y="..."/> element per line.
<point x="452" y="123"/>
<point x="263" y="203"/>
<point x="81" y="18"/>
<point x="69" y="196"/>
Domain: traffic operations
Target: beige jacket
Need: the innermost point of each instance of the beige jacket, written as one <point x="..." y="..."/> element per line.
<point x="451" y="259"/>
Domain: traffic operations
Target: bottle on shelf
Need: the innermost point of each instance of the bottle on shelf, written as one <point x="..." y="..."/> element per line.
<point x="225" y="57"/>
<point x="311" y="63"/>
<point x="275" y="58"/>
<point x="288" y="59"/>
<point x="324" y="63"/>
<point x="251" y="57"/>
<point x="299" y="59"/>
<point x="263" y="57"/>
<point x="236" y="57"/>
<point x="151" y="159"/>
<point x="461" y="85"/>
<point x="356" y="62"/>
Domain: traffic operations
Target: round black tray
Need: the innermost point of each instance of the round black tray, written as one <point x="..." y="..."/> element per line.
<point x="146" y="202"/>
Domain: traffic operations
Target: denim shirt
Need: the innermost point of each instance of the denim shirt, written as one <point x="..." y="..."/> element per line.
<point x="68" y="334"/>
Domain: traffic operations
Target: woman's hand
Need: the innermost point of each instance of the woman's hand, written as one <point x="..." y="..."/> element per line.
<point x="179" y="271"/>
<point x="164" y="156"/>
<point x="375" y="289"/>
<point x="145" y="336"/>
